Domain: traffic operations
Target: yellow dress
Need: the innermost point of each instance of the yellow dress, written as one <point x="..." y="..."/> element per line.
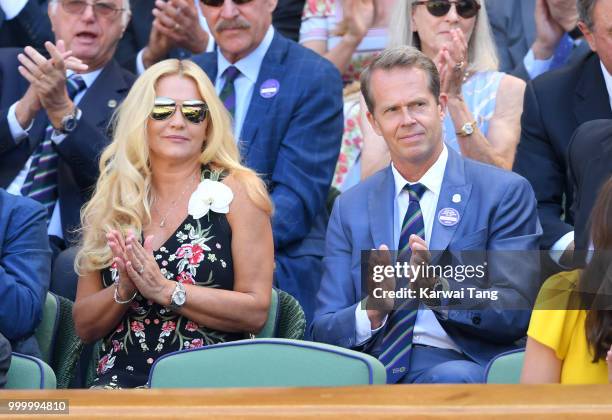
<point x="563" y="331"/>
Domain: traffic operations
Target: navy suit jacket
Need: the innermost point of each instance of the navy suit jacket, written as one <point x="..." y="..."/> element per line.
<point x="79" y="151"/>
<point x="25" y="264"/>
<point x="590" y="166"/>
<point x="292" y="140"/>
<point x="494" y="216"/>
<point x="555" y="104"/>
<point x="30" y="27"/>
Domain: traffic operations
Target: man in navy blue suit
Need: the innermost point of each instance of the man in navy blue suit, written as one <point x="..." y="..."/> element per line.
<point x="23" y="23"/>
<point x="25" y="267"/>
<point x="287" y="107"/>
<point x="47" y="123"/>
<point x="430" y="200"/>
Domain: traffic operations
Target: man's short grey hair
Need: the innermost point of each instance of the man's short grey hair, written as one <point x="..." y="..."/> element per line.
<point x="405" y="57"/>
<point x="125" y="16"/>
<point x="585" y="11"/>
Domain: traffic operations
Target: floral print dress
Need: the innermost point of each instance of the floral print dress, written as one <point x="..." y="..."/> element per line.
<point x="198" y="252"/>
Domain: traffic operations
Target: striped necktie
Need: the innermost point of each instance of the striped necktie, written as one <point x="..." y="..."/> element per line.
<point x="41" y="181"/>
<point x="228" y="93"/>
<point x="396" y="345"/>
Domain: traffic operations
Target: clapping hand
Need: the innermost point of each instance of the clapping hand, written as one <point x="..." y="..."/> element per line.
<point x="358" y="18"/>
<point x="144" y="272"/>
<point x="47" y="77"/>
<point x="117" y="245"/>
<point x="451" y="62"/>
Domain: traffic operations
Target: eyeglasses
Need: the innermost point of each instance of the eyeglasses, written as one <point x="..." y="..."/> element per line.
<point x="465" y="8"/>
<point x="194" y="111"/>
<point x="219" y="3"/>
<point x="101" y="9"/>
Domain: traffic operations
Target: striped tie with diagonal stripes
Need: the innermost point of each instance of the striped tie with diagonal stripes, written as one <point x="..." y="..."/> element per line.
<point x="396" y="345"/>
<point x="41" y="181"/>
<point x="228" y="93"/>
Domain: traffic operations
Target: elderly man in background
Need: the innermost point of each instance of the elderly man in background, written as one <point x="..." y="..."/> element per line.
<point x="286" y="102"/>
<point x="55" y="112"/>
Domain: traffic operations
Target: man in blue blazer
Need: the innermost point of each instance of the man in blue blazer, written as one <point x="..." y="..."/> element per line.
<point x="81" y="124"/>
<point x="287" y="108"/>
<point x="25" y="267"/>
<point x="454" y="205"/>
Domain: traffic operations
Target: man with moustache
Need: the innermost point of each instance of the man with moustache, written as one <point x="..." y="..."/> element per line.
<point x="55" y="112"/>
<point x="286" y="104"/>
<point x="429" y="198"/>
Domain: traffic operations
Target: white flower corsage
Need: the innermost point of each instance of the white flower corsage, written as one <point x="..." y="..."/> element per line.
<point x="210" y="195"/>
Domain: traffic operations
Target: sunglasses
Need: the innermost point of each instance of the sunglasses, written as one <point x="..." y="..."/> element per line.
<point x="194" y="111"/>
<point x="103" y="9"/>
<point x="464" y="8"/>
<point x="219" y="3"/>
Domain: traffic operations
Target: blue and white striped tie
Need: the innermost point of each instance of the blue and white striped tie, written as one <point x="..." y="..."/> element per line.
<point x="41" y="181"/>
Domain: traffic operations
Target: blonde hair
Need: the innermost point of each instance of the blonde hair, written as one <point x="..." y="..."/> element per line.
<point x="122" y="197"/>
<point x="482" y="53"/>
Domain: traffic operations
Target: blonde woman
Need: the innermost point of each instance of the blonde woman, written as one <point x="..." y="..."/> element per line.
<point x="484" y="106"/>
<point x="177" y="247"/>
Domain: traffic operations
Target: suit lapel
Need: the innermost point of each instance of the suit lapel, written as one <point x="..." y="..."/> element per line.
<point x="527" y="15"/>
<point x="453" y="183"/>
<point x="105" y="93"/>
<point x="591" y="100"/>
<point x="272" y="68"/>
<point x="381" y="202"/>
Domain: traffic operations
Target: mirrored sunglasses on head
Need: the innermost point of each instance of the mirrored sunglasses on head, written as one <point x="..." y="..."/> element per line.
<point x="464" y="8"/>
<point x="194" y="110"/>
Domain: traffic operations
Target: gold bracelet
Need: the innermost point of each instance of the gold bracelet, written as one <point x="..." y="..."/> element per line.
<point x="116" y="296"/>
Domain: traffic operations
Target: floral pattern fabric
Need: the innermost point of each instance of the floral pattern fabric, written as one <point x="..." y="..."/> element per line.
<point x="197" y="253"/>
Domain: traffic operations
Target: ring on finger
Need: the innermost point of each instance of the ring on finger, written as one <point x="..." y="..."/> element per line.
<point x="460" y="65"/>
<point x="177" y="26"/>
<point x="140" y="270"/>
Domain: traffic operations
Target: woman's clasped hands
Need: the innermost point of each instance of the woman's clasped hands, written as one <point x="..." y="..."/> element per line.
<point x="137" y="269"/>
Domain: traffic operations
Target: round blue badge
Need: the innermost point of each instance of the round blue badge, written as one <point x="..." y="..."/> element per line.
<point x="269" y="88"/>
<point x="448" y="216"/>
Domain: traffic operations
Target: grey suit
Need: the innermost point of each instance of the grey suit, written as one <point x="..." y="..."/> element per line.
<point x="514" y="30"/>
<point x="5" y="359"/>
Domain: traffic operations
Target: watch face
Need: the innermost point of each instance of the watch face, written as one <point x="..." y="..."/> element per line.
<point x="179" y="298"/>
<point x="70" y="124"/>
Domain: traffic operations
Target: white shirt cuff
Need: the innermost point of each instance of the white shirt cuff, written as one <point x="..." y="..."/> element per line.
<point x="140" y="68"/>
<point x="535" y="67"/>
<point x="559" y="247"/>
<point x="363" y="326"/>
<point x="12" y="8"/>
<point x="17" y="131"/>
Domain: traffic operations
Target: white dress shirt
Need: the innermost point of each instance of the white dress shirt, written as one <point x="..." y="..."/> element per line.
<point x="427" y="329"/>
<point x="12" y="8"/>
<point x="19" y="133"/>
<point x="244" y="84"/>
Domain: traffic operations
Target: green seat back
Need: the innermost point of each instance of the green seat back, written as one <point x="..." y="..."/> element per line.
<point x="67" y="346"/>
<point x="505" y="368"/>
<point x="292" y="321"/>
<point x="45" y="333"/>
<point x="266" y="363"/>
<point x="269" y="328"/>
<point x="27" y="372"/>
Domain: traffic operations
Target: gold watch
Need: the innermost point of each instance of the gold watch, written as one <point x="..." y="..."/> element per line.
<point x="467" y="129"/>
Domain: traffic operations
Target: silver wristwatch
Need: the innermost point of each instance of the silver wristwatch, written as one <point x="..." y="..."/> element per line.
<point x="179" y="295"/>
<point x="69" y="122"/>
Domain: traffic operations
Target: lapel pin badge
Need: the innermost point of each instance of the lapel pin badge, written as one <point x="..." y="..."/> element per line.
<point x="269" y="88"/>
<point x="112" y="103"/>
<point x="456" y="198"/>
<point x="448" y="216"/>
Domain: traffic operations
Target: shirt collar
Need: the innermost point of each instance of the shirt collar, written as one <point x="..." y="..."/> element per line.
<point x="607" y="79"/>
<point x="88" y="78"/>
<point x="432" y="179"/>
<point x="249" y="66"/>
